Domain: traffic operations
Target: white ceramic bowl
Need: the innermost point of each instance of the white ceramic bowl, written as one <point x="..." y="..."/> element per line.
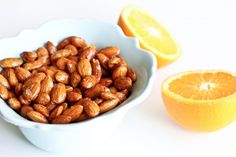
<point x="80" y="136"/>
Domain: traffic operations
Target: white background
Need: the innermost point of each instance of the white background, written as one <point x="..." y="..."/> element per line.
<point x="206" y="31"/>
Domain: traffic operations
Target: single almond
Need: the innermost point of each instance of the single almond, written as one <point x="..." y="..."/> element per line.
<point x="123" y="83"/>
<point x="89" y="81"/>
<point x="43" y="98"/>
<point x="24" y="110"/>
<point x="62" y="77"/>
<point x="37" y="117"/>
<point x="41" y="109"/>
<point x="75" y="79"/>
<point x="14" y="103"/>
<point x="3" y="92"/>
<point x="29" y="56"/>
<point x="108" y="105"/>
<point x="74" y="112"/>
<point x="4" y="81"/>
<point x="84" y="67"/>
<point x="58" y="93"/>
<point x="10" y="62"/>
<point x="91" y="108"/>
<point x="46" y="85"/>
<point x="110" y="51"/>
<point x="31" y="90"/>
<point x="62" y="119"/>
<point x="22" y="74"/>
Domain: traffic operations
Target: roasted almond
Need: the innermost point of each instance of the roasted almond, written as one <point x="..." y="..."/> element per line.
<point x="43" y="98"/>
<point x="51" y="48"/>
<point x="58" y="93"/>
<point x="31" y="90"/>
<point x="62" y="77"/>
<point x="96" y="68"/>
<point x="89" y="81"/>
<point x="24" y="110"/>
<point x="10" y="62"/>
<point x="84" y="67"/>
<point x="4" y="81"/>
<point x="22" y="74"/>
<point x="73" y="96"/>
<point x="95" y="91"/>
<point x="61" y="53"/>
<point x="14" y="103"/>
<point x="131" y="74"/>
<point x="37" y="117"/>
<point x="62" y="119"/>
<point x="108" y="105"/>
<point x="46" y="85"/>
<point x="110" y="51"/>
<point x="72" y="48"/>
<point x="3" y="92"/>
<point x="106" y="82"/>
<point x="18" y="89"/>
<point x="74" y="112"/>
<point x="108" y="96"/>
<point x="29" y="56"/>
<point x="91" y="108"/>
<point x="88" y="53"/>
<point x="123" y="83"/>
<point x="41" y="109"/>
<point x="75" y="79"/>
<point x="56" y="112"/>
<point x="119" y="71"/>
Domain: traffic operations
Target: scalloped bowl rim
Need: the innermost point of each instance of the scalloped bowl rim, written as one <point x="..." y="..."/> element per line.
<point x="124" y="106"/>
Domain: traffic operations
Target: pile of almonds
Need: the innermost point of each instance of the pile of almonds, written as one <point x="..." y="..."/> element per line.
<point x="67" y="83"/>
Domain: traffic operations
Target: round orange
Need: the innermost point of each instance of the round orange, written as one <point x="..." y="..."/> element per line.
<point x="201" y="100"/>
<point x="152" y="35"/>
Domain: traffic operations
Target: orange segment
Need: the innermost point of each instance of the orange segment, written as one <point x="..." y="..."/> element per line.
<point x="152" y="36"/>
<point x="201" y="100"/>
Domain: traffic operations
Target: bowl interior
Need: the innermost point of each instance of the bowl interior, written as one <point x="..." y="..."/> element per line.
<point x="101" y="34"/>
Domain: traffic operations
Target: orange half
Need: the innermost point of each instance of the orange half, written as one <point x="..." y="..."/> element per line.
<point x="151" y="34"/>
<point x="201" y="100"/>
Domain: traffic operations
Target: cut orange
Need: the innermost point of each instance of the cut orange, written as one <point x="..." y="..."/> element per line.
<point x="201" y="100"/>
<point x="151" y="35"/>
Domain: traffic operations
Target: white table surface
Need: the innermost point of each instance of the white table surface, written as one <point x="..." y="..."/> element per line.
<point x="206" y="31"/>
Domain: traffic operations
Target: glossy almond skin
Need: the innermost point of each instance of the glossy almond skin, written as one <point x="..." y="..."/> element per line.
<point x="95" y="91"/>
<point x="62" y="119"/>
<point x="96" y="68"/>
<point x="56" y="112"/>
<point x="23" y="100"/>
<point x="89" y="81"/>
<point x="114" y="62"/>
<point x="72" y="48"/>
<point x="37" y="117"/>
<point x="51" y="48"/>
<point x="4" y="81"/>
<point x="62" y="77"/>
<point x="73" y="96"/>
<point x="46" y="85"/>
<point x="108" y="105"/>
<point x="36" y="64"/>
<point x="24" y="110"/>
<point x="91" y="108"/>
<point x="108" y="96"/>
<point x="123" y="83"/>
<point x="106" y="82"/>
<point x="58" y="93"/>
<point x="29" y="56"/>
<point x="131" y="74"/>
<point x="74" y="112"/>
<point x="22" y="74"/>
<point x="11" y="76"/>
<point x="71" y="67"/>
<point x="11" y="62"/>
<point x="88" y="53"/>
<point x="41" y="109"/>
<point x="14" y="103"/>
<point x="84" y="67"/>
<point x="120" y="71"/>
<point x="31" y="90"/>
<point x="75" y="79"/>
<point x="103" y="59"/>
<point x="76" y="41"/>
<point x="110" y="51"/>
<point x="43" y="98"/>
<point x="61" y="53"/>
